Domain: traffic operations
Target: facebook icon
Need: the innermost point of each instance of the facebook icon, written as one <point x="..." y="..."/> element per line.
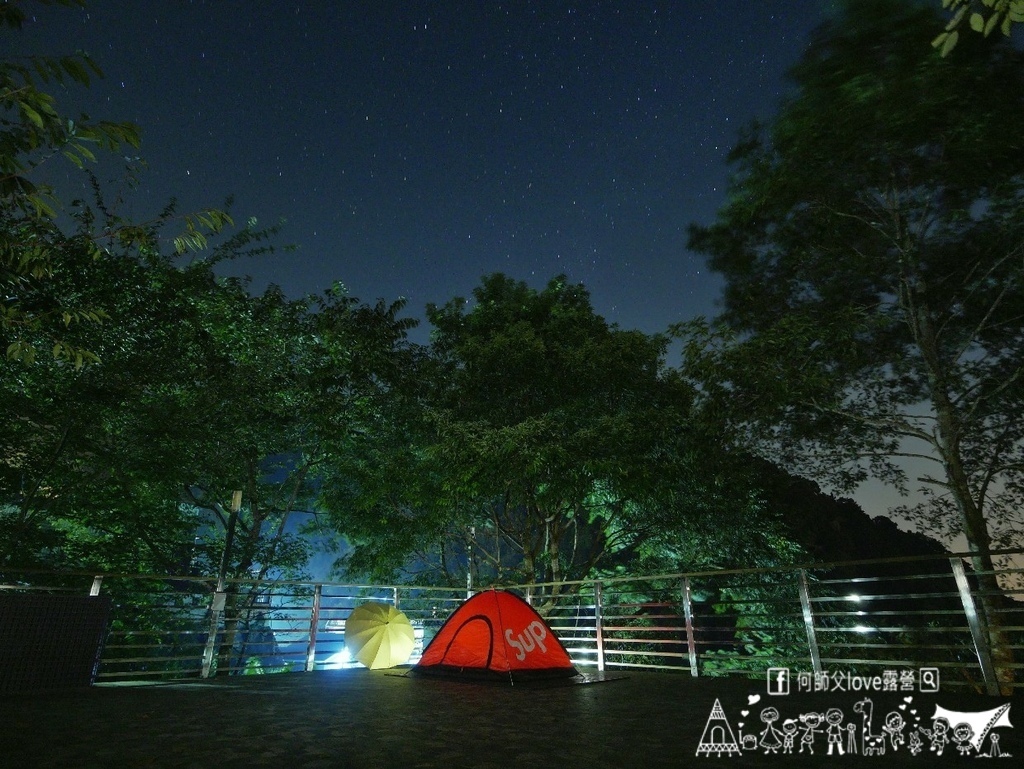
<point x="778" y="680"/>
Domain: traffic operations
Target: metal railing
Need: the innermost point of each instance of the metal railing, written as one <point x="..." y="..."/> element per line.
<point x="883" y="617"/>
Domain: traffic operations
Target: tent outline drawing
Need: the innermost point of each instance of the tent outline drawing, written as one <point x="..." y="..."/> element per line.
<point x="718" y="737"/>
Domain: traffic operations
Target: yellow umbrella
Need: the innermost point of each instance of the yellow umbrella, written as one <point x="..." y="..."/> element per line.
<point x="379" y="635"/>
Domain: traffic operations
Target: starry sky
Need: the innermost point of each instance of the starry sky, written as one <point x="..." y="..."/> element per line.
<point x="415" y="146"/>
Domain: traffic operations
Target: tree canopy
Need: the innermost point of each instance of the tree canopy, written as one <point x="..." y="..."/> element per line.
<point x="122" y="439"/>
<point x="544" y="443"/>
<point x="199" y="389"/>
<point x="33" y="131"/>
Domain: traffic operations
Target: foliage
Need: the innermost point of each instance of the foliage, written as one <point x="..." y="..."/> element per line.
<point x="33" y="131"/>
<point x="548" y="414"/>
<point x="203" y="390"/>
<point x="874" y="282"/>
<point x="984" y="17"/>
<point x="197" y="389"/>
<point x="531" y="441"/>
<point x="537" y="443"/>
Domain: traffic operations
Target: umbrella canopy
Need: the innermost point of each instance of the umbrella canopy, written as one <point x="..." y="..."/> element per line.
<point x="379" y="635"/>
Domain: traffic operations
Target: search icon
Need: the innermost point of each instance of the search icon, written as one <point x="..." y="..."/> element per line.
<point x="929" y="680"/>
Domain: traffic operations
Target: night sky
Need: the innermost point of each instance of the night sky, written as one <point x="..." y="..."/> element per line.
<point x="413" y="147"/>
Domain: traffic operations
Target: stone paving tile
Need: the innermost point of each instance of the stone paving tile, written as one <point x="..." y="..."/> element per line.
<point x="359" y="719"/>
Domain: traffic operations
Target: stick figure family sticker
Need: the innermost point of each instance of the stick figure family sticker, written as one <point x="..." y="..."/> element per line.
<point x="861" y="732"/>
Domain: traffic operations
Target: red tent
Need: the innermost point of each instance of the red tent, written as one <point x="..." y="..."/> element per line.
<point x="496" y="634"/>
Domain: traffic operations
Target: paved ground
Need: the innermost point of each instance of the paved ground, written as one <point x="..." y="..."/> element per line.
<point x="360" y="719"/>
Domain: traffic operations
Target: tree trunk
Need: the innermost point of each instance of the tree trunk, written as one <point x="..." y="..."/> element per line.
<point x="227" y="644"/>
<point x="554" y="554"/>
<point x="231" y="593"/>
<point x="948" y="437"/>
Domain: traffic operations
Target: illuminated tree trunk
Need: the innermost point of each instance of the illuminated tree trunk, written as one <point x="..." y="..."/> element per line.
<point x="950" y="429"/>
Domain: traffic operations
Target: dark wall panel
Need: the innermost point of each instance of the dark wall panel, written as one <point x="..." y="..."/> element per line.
<point x="50" y="641"/>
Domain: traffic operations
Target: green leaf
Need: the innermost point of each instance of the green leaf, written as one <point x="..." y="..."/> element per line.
<point x="957" y="18"/>
<point x="21" y="350"/>
<point x="991" y="24"/>
<point x="31" y="114"/>
<point x="92" y="64"/>
<point x="85" y="152"/>
<point x="75" y="69"/>
<point x="950" y="43"/>
<point x="977" y="22"/>
<point x="42" y="208"/>
<point x="74" y="158"/>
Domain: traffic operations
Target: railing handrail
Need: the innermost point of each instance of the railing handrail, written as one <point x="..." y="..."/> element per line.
<point x="667" y="576"/>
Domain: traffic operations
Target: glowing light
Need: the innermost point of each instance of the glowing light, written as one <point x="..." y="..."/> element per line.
<point x="338" y="660"/>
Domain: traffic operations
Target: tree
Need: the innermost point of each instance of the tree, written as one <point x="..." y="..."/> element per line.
<point x="198" y="437"/>
<point x="872" y="250"/>
<point x="200" y="390"/>
<point x="538" y="443"/>
<point x="93" y="451"/>
<point x="68" y="496"/>
<point x="545" y="412"/>
<point x="122" y="448"/>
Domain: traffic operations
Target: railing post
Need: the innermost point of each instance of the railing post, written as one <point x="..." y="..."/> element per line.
<point x="981" y="645"/>
<point x="395" y="596"/>
<point x="314" y="623"/>
<point x="812" y="638"/>
<point x="691" y="642"/>
<point x="97" y="582"/>
<point x="599" y="626"/>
